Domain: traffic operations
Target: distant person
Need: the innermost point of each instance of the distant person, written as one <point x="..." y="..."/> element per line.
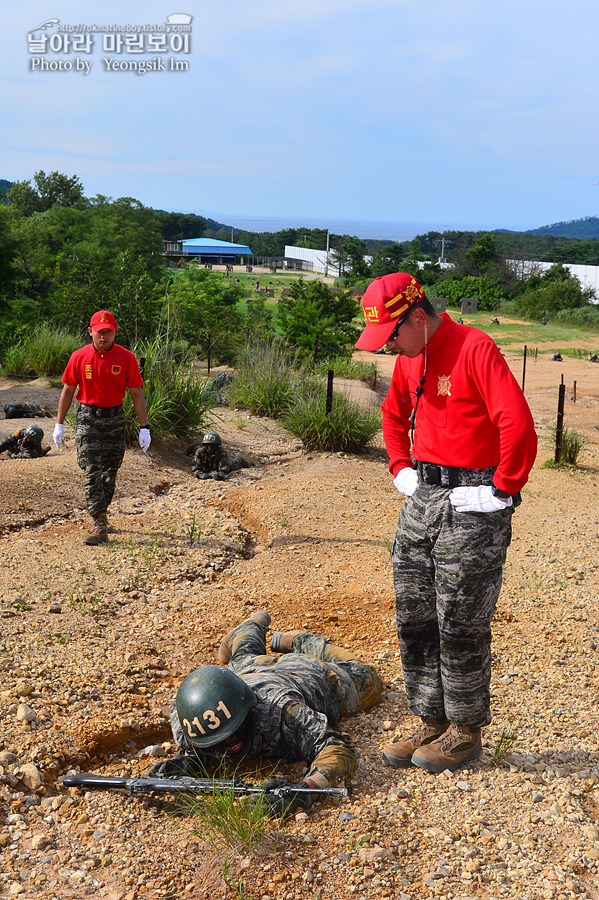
<point x="25" y="443"/>
<point x="101" y="373"/>
<point x="25" y="411"/>
<point x="461" y="442"/>
<point x="211" y="460"/>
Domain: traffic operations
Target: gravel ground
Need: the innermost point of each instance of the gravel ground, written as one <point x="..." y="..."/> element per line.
<point x="95" y="641"/>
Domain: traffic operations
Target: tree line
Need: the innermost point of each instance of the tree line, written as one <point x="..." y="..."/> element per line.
<point x="64" y="255"/>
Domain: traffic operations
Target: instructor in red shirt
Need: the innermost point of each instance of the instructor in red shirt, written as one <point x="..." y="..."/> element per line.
<point x="461" y="443"/>
<point x="101" y="373"/>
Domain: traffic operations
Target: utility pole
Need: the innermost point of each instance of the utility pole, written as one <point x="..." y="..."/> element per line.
<point x="326" y="261"/>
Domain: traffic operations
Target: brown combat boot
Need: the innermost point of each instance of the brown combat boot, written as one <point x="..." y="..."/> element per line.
<point x="282" y="641"/>
<point x="225" y="651"/>
<point x="460" y="744"/>
<point x="399" y="753"/>
<point x="99" y="531"/>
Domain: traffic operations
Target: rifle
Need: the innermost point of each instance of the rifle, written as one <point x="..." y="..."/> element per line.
<point x="185" y="785"/>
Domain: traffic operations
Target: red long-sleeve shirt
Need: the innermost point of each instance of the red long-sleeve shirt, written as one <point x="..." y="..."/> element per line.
<point x="472" y="413"/>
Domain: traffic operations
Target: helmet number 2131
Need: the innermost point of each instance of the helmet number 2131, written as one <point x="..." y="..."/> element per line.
<point x="210" y="718"/>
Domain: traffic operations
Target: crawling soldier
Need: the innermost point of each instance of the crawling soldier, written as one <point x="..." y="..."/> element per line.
<point x="210" y="459"/>
<point x="25" y="443"/>
<point x="263" y="706"/>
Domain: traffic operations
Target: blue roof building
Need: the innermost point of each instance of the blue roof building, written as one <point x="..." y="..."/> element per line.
<point x="208" y="250"/>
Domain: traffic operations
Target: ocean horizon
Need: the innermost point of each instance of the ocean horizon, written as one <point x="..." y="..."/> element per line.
<point x="362" y="228"/>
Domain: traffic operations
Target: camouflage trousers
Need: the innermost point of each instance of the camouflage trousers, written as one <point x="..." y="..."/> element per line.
<point x="361" y="685"/>
<point x="358" y="685"/>
<point x="100" y="450"/>
<point x="447" y="569"/>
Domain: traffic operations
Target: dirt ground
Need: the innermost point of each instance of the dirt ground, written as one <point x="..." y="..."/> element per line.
<point x="95" y="641"/>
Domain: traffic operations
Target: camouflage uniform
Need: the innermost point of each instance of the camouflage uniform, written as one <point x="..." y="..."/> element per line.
<point x="217" y="465"/>
<point x="100" y="446"/>
<point x="301" y="697"/>
<point x="22" y="447"/>
<point x="25" y="411"/>
<point x="447" y="569"/>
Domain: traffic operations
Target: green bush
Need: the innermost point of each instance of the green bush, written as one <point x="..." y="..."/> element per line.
<point x="572" y="444"/>
<point x="585" y="316"/>
<point x="15" y="361"/>
<point x="45" y="352"/>
<point x="489" y="291"/>
<point x="347" y="427"/>
<point x="356" y="369"/>
<point x="177" y="397"/>
<point x="265" y="376"/>
<point x="49" y="350"/>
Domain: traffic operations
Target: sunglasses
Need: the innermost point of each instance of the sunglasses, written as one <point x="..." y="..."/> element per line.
<point x="395" y="331"/>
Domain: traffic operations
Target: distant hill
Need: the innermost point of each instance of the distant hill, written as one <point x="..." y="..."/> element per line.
<point x="577" y="228"/>
<point x="4" y="185"/>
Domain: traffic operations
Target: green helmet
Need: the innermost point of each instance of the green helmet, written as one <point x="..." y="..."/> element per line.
<point x="35" y="434"/>
<point x="212" y="702"/>
<point x="211" y="437"/>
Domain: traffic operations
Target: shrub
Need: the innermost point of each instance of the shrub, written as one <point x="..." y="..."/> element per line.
<point x="572" y="444"/>
<point x="49" y="350"/>
<point x="347" y="427"/>
<point x="348" y="368"/>
<point x="177" y="397"/>
<point x="264" y="377"/>
<point x="45" y="352"/>
<point x="15" y="361"/>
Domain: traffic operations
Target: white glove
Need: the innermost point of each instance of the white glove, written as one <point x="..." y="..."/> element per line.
<point x="477" y="499"/>
<point x="406" y="481"/>
<point x="57" y="435"/>
<point x="144" y="438"/>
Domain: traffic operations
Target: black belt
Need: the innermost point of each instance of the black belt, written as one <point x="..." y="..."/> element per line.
<point x="451" y="476"/>
<point x="104" y="412"/>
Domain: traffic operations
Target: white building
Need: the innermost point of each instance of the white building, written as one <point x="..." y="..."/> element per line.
<point x="587" y="275"/>
<point x="312" y="260"/>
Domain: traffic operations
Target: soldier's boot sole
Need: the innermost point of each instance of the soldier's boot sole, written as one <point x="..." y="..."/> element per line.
<point x="225" y="651"/>
<point x="282" y="641"/>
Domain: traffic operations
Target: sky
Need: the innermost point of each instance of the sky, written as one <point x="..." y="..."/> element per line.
<point x="466" y="114"/>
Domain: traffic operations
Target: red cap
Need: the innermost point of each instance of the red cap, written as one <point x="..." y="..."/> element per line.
<point x="386" y="303"/>
<point x="103" y="319"/>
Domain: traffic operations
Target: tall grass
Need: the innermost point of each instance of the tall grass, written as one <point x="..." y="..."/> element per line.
<point x="177" y="397"/>
<point x="347" y="427"/>
<point x="45" y="352"/>
<point x="264" y="377"/>
<point x="341" y="367"/>
<point x="270" y="381"/>
<point x="572" y="444"/>
<point x="223" y="818"/>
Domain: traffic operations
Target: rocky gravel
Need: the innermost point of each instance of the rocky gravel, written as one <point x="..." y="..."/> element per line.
<point x="94" y="642"/>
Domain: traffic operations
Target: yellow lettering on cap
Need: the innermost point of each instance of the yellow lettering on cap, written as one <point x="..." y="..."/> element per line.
<point x="396" y="312"/>
<point x="371" y="313"/>
<point x="103" y="317"/>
